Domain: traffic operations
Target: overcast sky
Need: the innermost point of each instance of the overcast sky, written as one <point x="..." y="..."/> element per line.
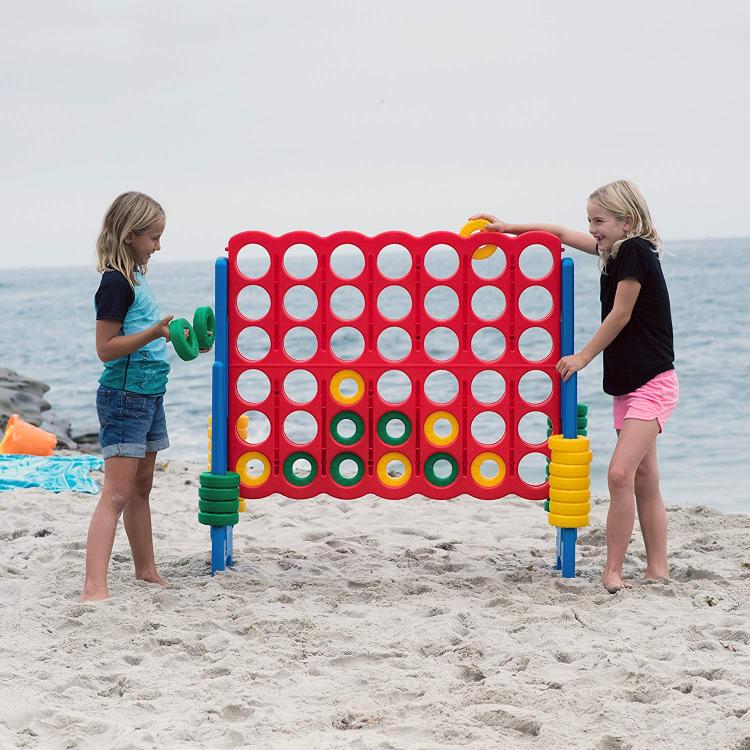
<point x="326" y="115"/>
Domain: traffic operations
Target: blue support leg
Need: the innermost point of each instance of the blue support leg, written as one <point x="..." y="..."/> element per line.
<point x="218" y="547"/>
<point x="568" y="561"/>
<point x="558" y="548"/>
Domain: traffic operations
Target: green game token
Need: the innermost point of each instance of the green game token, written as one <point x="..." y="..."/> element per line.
<point x="204" y="324"/>
<point x="186" y="346"/>
<point x="219" y="481"/>
<point x="336" y="469"/>
<point x="211" y="493"/>
<point x="583" y="410"/>
<point x="291" y="477"/>
<point x="429" y="469"/>
<point x="219" y="519"/>
<point x="359" y="427"/>
<point x="391" y="416"/>
<point x="217" y="506"/>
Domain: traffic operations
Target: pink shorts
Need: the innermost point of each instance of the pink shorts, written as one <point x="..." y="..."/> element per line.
<point x="653" y="400"/>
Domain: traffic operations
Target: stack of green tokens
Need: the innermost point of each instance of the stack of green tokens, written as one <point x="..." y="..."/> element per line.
<point x="219" y="502"/>
<point x="583" y="429"/>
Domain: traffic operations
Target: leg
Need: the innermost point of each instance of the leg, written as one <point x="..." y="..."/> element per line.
<point x="634" y="441"/>
<point x="652" y="516"/>
<point x="137" y="518"/>
<point x="119" y="478"/>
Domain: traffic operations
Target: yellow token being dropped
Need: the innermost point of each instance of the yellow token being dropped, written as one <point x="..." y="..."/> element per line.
<point x="477" y="225"/>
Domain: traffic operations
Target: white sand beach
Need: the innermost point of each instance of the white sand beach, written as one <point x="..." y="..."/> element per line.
<point x="369" y="624"/>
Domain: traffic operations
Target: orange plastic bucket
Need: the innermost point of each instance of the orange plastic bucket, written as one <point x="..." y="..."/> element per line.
<point x="23" y="438"/>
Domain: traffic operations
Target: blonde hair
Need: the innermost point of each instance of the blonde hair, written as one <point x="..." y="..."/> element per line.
<point x="130" y="212"/>
<point x="623" y="200"/>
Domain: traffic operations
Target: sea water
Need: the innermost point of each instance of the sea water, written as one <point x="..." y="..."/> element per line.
<point x="48" y="334"/>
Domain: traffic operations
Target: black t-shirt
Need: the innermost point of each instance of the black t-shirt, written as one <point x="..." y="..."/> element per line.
<point x="644" y="347"/>
<point x="114" y="297"/>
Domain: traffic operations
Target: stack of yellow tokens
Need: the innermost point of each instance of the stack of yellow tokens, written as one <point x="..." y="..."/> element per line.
<point x="569" y="482"/>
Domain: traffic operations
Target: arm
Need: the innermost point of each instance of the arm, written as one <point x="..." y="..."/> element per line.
<point x="110" y="345"/>
<point x="625" y="297"/>
<point x="570" y="237"/>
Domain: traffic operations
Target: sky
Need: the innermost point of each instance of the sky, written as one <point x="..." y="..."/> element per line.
<point x="332" y="115"/>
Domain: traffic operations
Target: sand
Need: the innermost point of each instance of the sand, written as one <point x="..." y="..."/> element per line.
<point x="370" y="624"/>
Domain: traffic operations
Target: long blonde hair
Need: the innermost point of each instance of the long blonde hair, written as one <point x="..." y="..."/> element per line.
<point x="130" y="212"/>
<point x="623" y="200"/>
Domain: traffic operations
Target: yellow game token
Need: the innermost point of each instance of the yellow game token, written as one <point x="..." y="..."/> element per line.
<point x="476" y="470"/>
<point x="242" y="468"/>
<point x="338" y="379"/>
<point x="561" y="444"/>
<point x="429" y="428"/>
<point x="477" y="225"/>
<point x="385" y="477"/>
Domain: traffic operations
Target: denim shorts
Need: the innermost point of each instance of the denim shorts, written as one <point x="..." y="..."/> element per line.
<point x="131" y="424"/>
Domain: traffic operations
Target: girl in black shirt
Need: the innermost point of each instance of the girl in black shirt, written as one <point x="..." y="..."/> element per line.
<point x="636" y="339"/>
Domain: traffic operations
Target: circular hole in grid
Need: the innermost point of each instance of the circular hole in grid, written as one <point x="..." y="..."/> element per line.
<point x="535" y="303"/>
<point x="302" y="468"/>
<point x="347" y="343"/>
<point x="255" y="468"/>
<point x="441" y="386"/>
<point x="490" y="469"/>
<point x="253" y="261"/>
<point x="348" y="468"/>
<point x="300" y="343"/>
<point x="394" y="302"/>
<point x="347" y="261"/>
<point x="535" y="261"/>
<point x="253" y="386"/>
<point x="535" y="386"/>
<point x="488" y="387"/>
<point x="395" y="468"/>
<point x="488" y="303"/>
<point x="300" y="261"/>
<point x="488" y="428"/>
<point x="253" y="343"/>
<point x="349" y="388"/>
<point x="488" y="344"/>
<point x="441" y="261"/>
<point x="394" y="261"/>
<point x="300" y="302"/>
<point x="346" y="428"/>
<point x="442" y="427"/>
<point x="258" y="427"/>
<point x="441" y="343"/>
<point x="300" y="386"/>
<point x="532" y="427"/>
<point x="490" y="267"/>
<point x="395" y="428"/>
<point x="394" y="387"/>
<point x="441" y="302"/>
<point x="347" y="302"/>
<point x="300" y="427"/>
<point x="394" y="343"/>
<point x="535" y="344"/>
<point x="253" y="302"/>
<point x="532" y="468"/>
<point x="442" y="468"/>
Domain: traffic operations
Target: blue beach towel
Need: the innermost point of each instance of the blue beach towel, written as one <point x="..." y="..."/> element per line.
<point x="53" y="473"/>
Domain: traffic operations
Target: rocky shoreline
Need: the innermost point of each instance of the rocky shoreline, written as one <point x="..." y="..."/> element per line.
<point x="25" y="396"/>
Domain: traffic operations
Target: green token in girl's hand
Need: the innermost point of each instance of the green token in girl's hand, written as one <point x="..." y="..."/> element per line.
<point x="183" y="339"/>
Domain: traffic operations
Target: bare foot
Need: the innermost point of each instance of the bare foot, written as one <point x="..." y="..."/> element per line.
<point x="613" y="582"/>
<point x="152" y="577"/>
<point x="651" y="576"/>
<point x="93" y="596"/>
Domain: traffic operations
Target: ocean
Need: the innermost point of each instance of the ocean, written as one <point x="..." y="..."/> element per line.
<point x="48" y="323"/>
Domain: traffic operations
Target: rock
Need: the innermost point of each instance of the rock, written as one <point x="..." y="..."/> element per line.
<point x="25" y="397"/>
<point x="22" y="396"/>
